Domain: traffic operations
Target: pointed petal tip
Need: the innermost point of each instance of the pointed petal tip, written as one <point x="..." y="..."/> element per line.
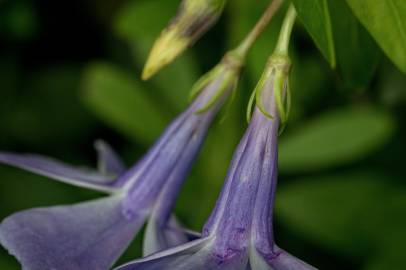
<point x="147" y="72"/>
<point x="59" y="171"/>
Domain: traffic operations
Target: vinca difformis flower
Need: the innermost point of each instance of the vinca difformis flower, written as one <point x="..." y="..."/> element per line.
<point x="92" y="235"/>
<point x="239" y="233"/>
<point x="193" y="19"/>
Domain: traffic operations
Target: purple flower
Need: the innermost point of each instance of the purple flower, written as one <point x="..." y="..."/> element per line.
<point x="92" y="235"/>
<point x="239" y="232"/>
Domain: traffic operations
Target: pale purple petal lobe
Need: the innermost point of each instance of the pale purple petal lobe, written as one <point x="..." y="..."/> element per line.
<point x="285" y="261"/>
<point x="191" y="256"/>
<point x="109" y="162"/>
<point x="59" y="171"/>
<point x="159" y="237"/>
<point x="89" y="235"/>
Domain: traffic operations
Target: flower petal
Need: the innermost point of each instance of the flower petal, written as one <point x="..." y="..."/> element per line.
<point x="88" y="235"/>
<point x="280" y="260"/>
<point x="59" y="171"/>
<point x="168" y="259"/>
<point x="109" y="163"/>
<point x="158" y="238"/>
<point x="195" y="255"/>
<point x="286" y="261"/>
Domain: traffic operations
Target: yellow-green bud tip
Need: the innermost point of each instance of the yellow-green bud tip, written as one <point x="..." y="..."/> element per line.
<point x="167" y="47"/>
<point x="194" y="17"/>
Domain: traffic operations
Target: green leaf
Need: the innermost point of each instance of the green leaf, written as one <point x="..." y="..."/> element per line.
<point x="391" y="257"/>
<point x="46" y="107"/>
<point x="6" y="263"/>
<point x="113" y="95"/>
<point x="315" y="16"/>
<point x="357" y="53"/>
<point x="385" y="20"/>
<point x="139" y="23"/>
<point x="392" y="86"/>
<point x="308" y="81"/>
<point x="335" y="138"/>
<point x="19" y="21"/>
<point x="353" y="213"/>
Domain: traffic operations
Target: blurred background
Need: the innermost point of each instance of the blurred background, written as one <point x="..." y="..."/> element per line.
<point x="69" y="74"/>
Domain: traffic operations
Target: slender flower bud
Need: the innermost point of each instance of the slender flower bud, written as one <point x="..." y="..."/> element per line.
<point x="193" y="19"/>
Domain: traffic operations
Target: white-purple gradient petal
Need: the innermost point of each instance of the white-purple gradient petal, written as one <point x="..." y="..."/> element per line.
<point x="109" y="163"/>
<point x="89" y="235"/>
<point x="167" y="259"/>
<point x="285" y="261"/>
<point x="158" y="237"/>
<point x="57" y="170"/>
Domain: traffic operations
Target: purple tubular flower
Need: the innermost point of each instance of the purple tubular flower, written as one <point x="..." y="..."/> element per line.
<point x="239" y="233"/>
<point x="92" y="235"/>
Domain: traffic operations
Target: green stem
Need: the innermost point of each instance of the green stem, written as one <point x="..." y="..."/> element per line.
<point x="284" y="37"/>
<point x="259" y="27"/>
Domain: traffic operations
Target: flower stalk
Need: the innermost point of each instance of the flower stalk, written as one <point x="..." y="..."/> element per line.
<point x="260" y="26"/>
<point x="284" y="37"/>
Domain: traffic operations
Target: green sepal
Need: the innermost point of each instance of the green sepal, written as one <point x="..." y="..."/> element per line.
<point x="288" y="107"/>
<point x="249" y="108"/>
<point x="279" y="85"/>
<point x="230" y="102"/>
<point x="260" y="105"/>
<point x="256" y="96"/>
<point x="224" y="86"/>
<point x="199" y="86"/>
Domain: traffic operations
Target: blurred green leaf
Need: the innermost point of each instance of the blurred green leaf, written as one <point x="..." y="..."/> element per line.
<point x="349" y="212"/>
<point x="9" y="79"/>
<point x="46" y="107"/>
<point x="18" y="20"/>
<point x="392" y="86"/>
<point x="113" y="95"/>
<point x="385" y="20"/>
<point x="8" y="264"/>
<point x="357" y="53"/>
<point x="308" y="81"/>
<point x="139" y="23"/>
<point x="391" y="257"/>
<point x="335" y="138"/>
<point x="315" y="16"/>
